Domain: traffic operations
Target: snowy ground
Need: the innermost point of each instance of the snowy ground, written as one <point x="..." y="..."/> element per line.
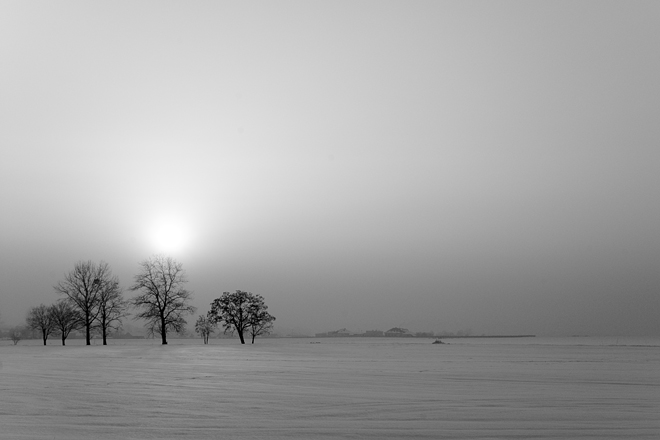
<point x="337" y="388"/>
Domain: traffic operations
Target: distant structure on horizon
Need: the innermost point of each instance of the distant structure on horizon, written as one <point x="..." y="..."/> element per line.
<point x="394" y="332"/>
<point x="341" y="333"/>
<point x="399" y="332"/>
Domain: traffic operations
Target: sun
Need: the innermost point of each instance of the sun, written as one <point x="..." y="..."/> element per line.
<point x="169" y="235"/>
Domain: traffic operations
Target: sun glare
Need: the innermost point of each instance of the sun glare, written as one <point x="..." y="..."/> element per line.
<point x="169" y="236"/>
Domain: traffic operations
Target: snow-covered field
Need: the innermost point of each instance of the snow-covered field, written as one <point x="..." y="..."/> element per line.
<point x="572" y="388"/>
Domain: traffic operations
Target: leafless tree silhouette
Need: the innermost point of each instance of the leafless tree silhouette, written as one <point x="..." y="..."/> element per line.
<point x="164" y="300"/>
<point x="204" y="327"/>
<point x="15" y="334"/>
<point x="83" y="287"/>
<point x="66" y="318"/>
<point x="112" y="308"/>
<point x="39" y="318"/>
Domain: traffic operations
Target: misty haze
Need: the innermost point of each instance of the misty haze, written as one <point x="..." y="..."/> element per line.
<point x="254" y="219"/>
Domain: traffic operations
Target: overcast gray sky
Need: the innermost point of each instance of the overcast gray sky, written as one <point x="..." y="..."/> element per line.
<point x="435" y="165"/>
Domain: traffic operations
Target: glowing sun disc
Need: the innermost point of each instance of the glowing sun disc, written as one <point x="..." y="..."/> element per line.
<point x="169" y="236"/>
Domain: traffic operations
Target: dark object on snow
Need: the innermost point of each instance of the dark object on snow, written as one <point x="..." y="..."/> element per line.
<point x="438" y="341"/>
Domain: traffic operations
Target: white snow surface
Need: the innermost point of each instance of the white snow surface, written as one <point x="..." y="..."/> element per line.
<point x="361" y="388"/>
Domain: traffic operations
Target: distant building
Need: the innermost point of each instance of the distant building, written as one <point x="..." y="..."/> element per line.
<point x="399" y="332"/>
<point x="342" y="332"/>
<point x="374" y="333"/>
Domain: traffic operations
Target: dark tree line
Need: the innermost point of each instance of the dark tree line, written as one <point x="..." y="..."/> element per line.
<point x="93" y="300"/>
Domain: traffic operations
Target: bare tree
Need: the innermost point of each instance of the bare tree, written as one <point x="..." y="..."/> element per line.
<point x="66" y="318"/>
<point x="240" y="312"/>
<point x="39" y="318"/>
<point x="261" y="322"/>
<point x="164" y="300"/>
<point x="82" y="287"/>
<point x="204" y="327"/>
<point x="16" y="334"/>
<point x="112" y="308"/>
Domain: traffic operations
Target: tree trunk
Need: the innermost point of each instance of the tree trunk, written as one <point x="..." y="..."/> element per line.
<point x="88" y="331"/>
<point x="240" y="335"/>
<point x="103" y="329"/>
<point x="63" y="338"/>
<point x="44" y="336"/>
<point x="253" y="336"/>
<point x="163" y="332"/>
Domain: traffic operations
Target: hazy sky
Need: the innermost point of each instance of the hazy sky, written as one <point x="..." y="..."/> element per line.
<point x="483" y="165"/>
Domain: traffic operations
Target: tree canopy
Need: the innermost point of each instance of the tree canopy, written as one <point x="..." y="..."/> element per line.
<point x="240" y="312"/>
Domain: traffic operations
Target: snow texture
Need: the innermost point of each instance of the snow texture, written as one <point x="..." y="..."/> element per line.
<point x="362" y="388"/>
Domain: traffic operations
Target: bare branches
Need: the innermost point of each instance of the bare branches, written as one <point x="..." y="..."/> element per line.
<point x="83" y="287"/>
<point x="39" y="318"/>
<point x="164" y="301"/>
<point x="204" y="327"/>
<point x="66" y="318"/>
<point x="15" y="334"/>
<point x="112" y="308"/>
